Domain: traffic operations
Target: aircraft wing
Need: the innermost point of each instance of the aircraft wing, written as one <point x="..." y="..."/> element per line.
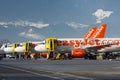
<point x="96" y="47"/>
<point x="113" y="48"/>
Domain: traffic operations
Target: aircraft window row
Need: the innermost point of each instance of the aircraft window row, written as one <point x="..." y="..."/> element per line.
<point x="42" y="43"/>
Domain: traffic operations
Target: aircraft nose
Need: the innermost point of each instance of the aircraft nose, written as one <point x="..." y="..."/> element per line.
<point x="37" y="48"/>
<point x="19" y="49"/>
<point x="8" y="50"/>
<point x="40" y="48"/>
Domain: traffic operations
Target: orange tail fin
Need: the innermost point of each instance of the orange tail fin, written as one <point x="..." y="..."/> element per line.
<point x="100" y="32"/>
<point x="90" y="32"/>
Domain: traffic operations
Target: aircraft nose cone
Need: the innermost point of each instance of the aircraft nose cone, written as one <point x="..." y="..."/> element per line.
<point x="40" y="48"/>
<point x="8" y="50"/>
<point x="37" y="48"/>
<point x="19" y="49"/>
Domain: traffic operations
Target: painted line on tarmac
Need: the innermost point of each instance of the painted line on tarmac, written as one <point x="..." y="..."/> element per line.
<point x="70" y="75"/>
<point x="31" y="72"/>
<point x="58" y="73"/>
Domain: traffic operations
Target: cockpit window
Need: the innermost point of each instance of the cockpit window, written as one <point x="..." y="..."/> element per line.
<point x="5" y="45"/>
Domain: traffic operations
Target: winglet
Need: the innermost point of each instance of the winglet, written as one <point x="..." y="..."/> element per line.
<point x="100" y="32"/>
<point x="90" y="32"/>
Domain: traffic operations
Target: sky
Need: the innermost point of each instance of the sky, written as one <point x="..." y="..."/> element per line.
<point x="34" y="20"/>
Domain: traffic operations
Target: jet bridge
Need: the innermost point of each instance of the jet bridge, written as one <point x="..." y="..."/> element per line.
<point x="51" y="45"/>
<point x="14" y="45"/>
<point x="27" y="47"/>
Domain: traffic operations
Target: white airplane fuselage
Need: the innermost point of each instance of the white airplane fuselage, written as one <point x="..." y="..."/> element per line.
<point x="67" y="45"/>
<point x="19" y="49"/>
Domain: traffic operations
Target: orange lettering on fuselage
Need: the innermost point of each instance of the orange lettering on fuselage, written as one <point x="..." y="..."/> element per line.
<point x="104" y="42"/>
<point x="116" y="42"/>
<point x="83" y="43"/>
<point x="91" y="42"/>
<point x="59" y="43"/>
<point x="110" y="42"/>
<point x="65" y="43"/>
<point x="72" y="43"/>
<point x="77" y="43"/>
<point x="97" y="42"/>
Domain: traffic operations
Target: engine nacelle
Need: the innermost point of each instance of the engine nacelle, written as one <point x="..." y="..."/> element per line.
<point x="27" y="46"/>
<point x="79" y="53"/>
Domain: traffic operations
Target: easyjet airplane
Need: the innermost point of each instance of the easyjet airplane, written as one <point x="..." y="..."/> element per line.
<point x="8" y="47"/>
<point x="77" y="46"/>
<point x="88" y="34"/>
<point x="2" y="48"/>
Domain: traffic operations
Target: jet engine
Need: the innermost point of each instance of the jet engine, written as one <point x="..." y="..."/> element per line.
<point x="78" y="53"/>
